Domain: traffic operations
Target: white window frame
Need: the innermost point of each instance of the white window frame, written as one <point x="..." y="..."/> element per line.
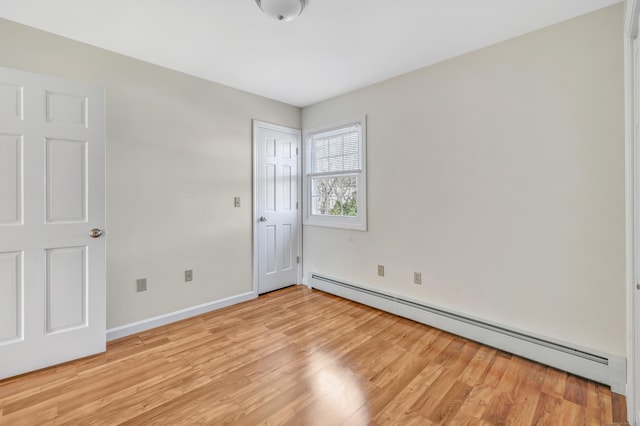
<point x="359" y="222"/>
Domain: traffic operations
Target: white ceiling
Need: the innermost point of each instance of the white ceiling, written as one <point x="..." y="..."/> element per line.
<point x="335" y="46"/>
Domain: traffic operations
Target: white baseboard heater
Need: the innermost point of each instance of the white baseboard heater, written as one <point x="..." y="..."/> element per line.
<point x="599" y="367"/>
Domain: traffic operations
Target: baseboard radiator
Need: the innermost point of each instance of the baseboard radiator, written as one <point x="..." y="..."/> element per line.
<point x="599" y="367"/>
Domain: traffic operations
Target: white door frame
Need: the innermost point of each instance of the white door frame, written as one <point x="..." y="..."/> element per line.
<point x="632" y="14"/>
<point x="254" y="216"/>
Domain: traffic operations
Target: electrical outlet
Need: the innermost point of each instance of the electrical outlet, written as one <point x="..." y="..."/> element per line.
<point x="236" y="201"/>
<point x="417" y="277"/>
<point x="188" y="275"/>
<point x="141" y="284"/>
<point x="381" y="270"/>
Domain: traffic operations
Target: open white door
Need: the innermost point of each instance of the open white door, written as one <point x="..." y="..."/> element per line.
<point x="276" y="214"/>
<point x="52" y="194"/>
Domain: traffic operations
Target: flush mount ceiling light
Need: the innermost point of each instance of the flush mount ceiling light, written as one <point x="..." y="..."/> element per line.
<point x="282" y="10"/>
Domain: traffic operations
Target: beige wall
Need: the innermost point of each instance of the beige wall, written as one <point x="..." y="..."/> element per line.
<point x="178" y="151"/>
<point x="500" y="176"/>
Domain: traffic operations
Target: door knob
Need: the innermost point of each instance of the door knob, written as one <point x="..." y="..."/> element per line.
<point x="262" y="219"/>
<point x="95" y="233"/>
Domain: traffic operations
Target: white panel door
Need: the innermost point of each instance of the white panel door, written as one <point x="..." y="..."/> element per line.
<point x="276" y="212"/>
<point x="52" y="195"/>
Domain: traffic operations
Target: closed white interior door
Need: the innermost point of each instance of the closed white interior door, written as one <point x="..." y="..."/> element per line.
<point x="277" y="219"/>
<point x="52" y="194"/>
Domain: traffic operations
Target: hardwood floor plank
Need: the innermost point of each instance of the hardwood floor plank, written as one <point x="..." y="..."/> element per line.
<point x="473" y="408"/>
<point x="523" y="409"/>
<point x="133" y="401"/>
<point x="454" y="360"/>
<point x="209" y="395"/>
<point x="599" y="404"/>
<point x="89" y="386"/>
<point x="361" y="417"/>
<point x="554" y="382"/>
<point x="400" y="372"/>
<point x="477" y="369"/>
<point x="618" y="408"/>
<point x="498" y="409"/>
<point x="333" y="404"/>
<point x="34" y="415"/>
<point x="39" y="381"/>
<point x="450" y="403"/>
<point x="408" y="333"/>
<point x="547" y="411"/>
<point x="525" y="397"/>
<point x="387" y="408"/>
<point x="272" y="405"/>
<point x="576" y="390"/>
<point x="572" y="414"/>
<point x="303" y="357"/>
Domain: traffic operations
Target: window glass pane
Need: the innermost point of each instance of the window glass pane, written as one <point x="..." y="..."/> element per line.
<point x="334" y="196"/>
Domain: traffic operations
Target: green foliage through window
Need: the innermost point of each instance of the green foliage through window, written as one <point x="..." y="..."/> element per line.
<point x="335" y="196"/>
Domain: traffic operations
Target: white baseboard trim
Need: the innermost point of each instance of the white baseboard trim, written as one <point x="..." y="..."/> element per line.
<point x="594" y="365"/>
<point x="137" y="327"/>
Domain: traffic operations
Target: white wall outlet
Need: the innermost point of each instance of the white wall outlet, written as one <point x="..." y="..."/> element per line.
<point x="188" y="275"/>
<point x="236" y="201"/>
<point x="417" y="277"/>
<point x="141" y="284"/>
<point x="381" y="270"/>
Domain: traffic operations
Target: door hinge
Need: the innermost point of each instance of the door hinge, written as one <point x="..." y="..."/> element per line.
<point x="296" y="151"/>
<point x="297" y="259"/>
<point x="296" y="205"/>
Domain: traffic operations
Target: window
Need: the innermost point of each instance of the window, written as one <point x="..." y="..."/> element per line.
<point x="335" y="176"/>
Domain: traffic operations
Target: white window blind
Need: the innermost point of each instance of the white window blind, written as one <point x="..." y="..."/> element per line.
<point x="336" y="151"/>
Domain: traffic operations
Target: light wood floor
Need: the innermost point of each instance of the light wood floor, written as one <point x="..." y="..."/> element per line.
<point x="303" y="357"/>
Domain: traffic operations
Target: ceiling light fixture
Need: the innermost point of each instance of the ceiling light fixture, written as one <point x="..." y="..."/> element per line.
<point x="282" y="10"/>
